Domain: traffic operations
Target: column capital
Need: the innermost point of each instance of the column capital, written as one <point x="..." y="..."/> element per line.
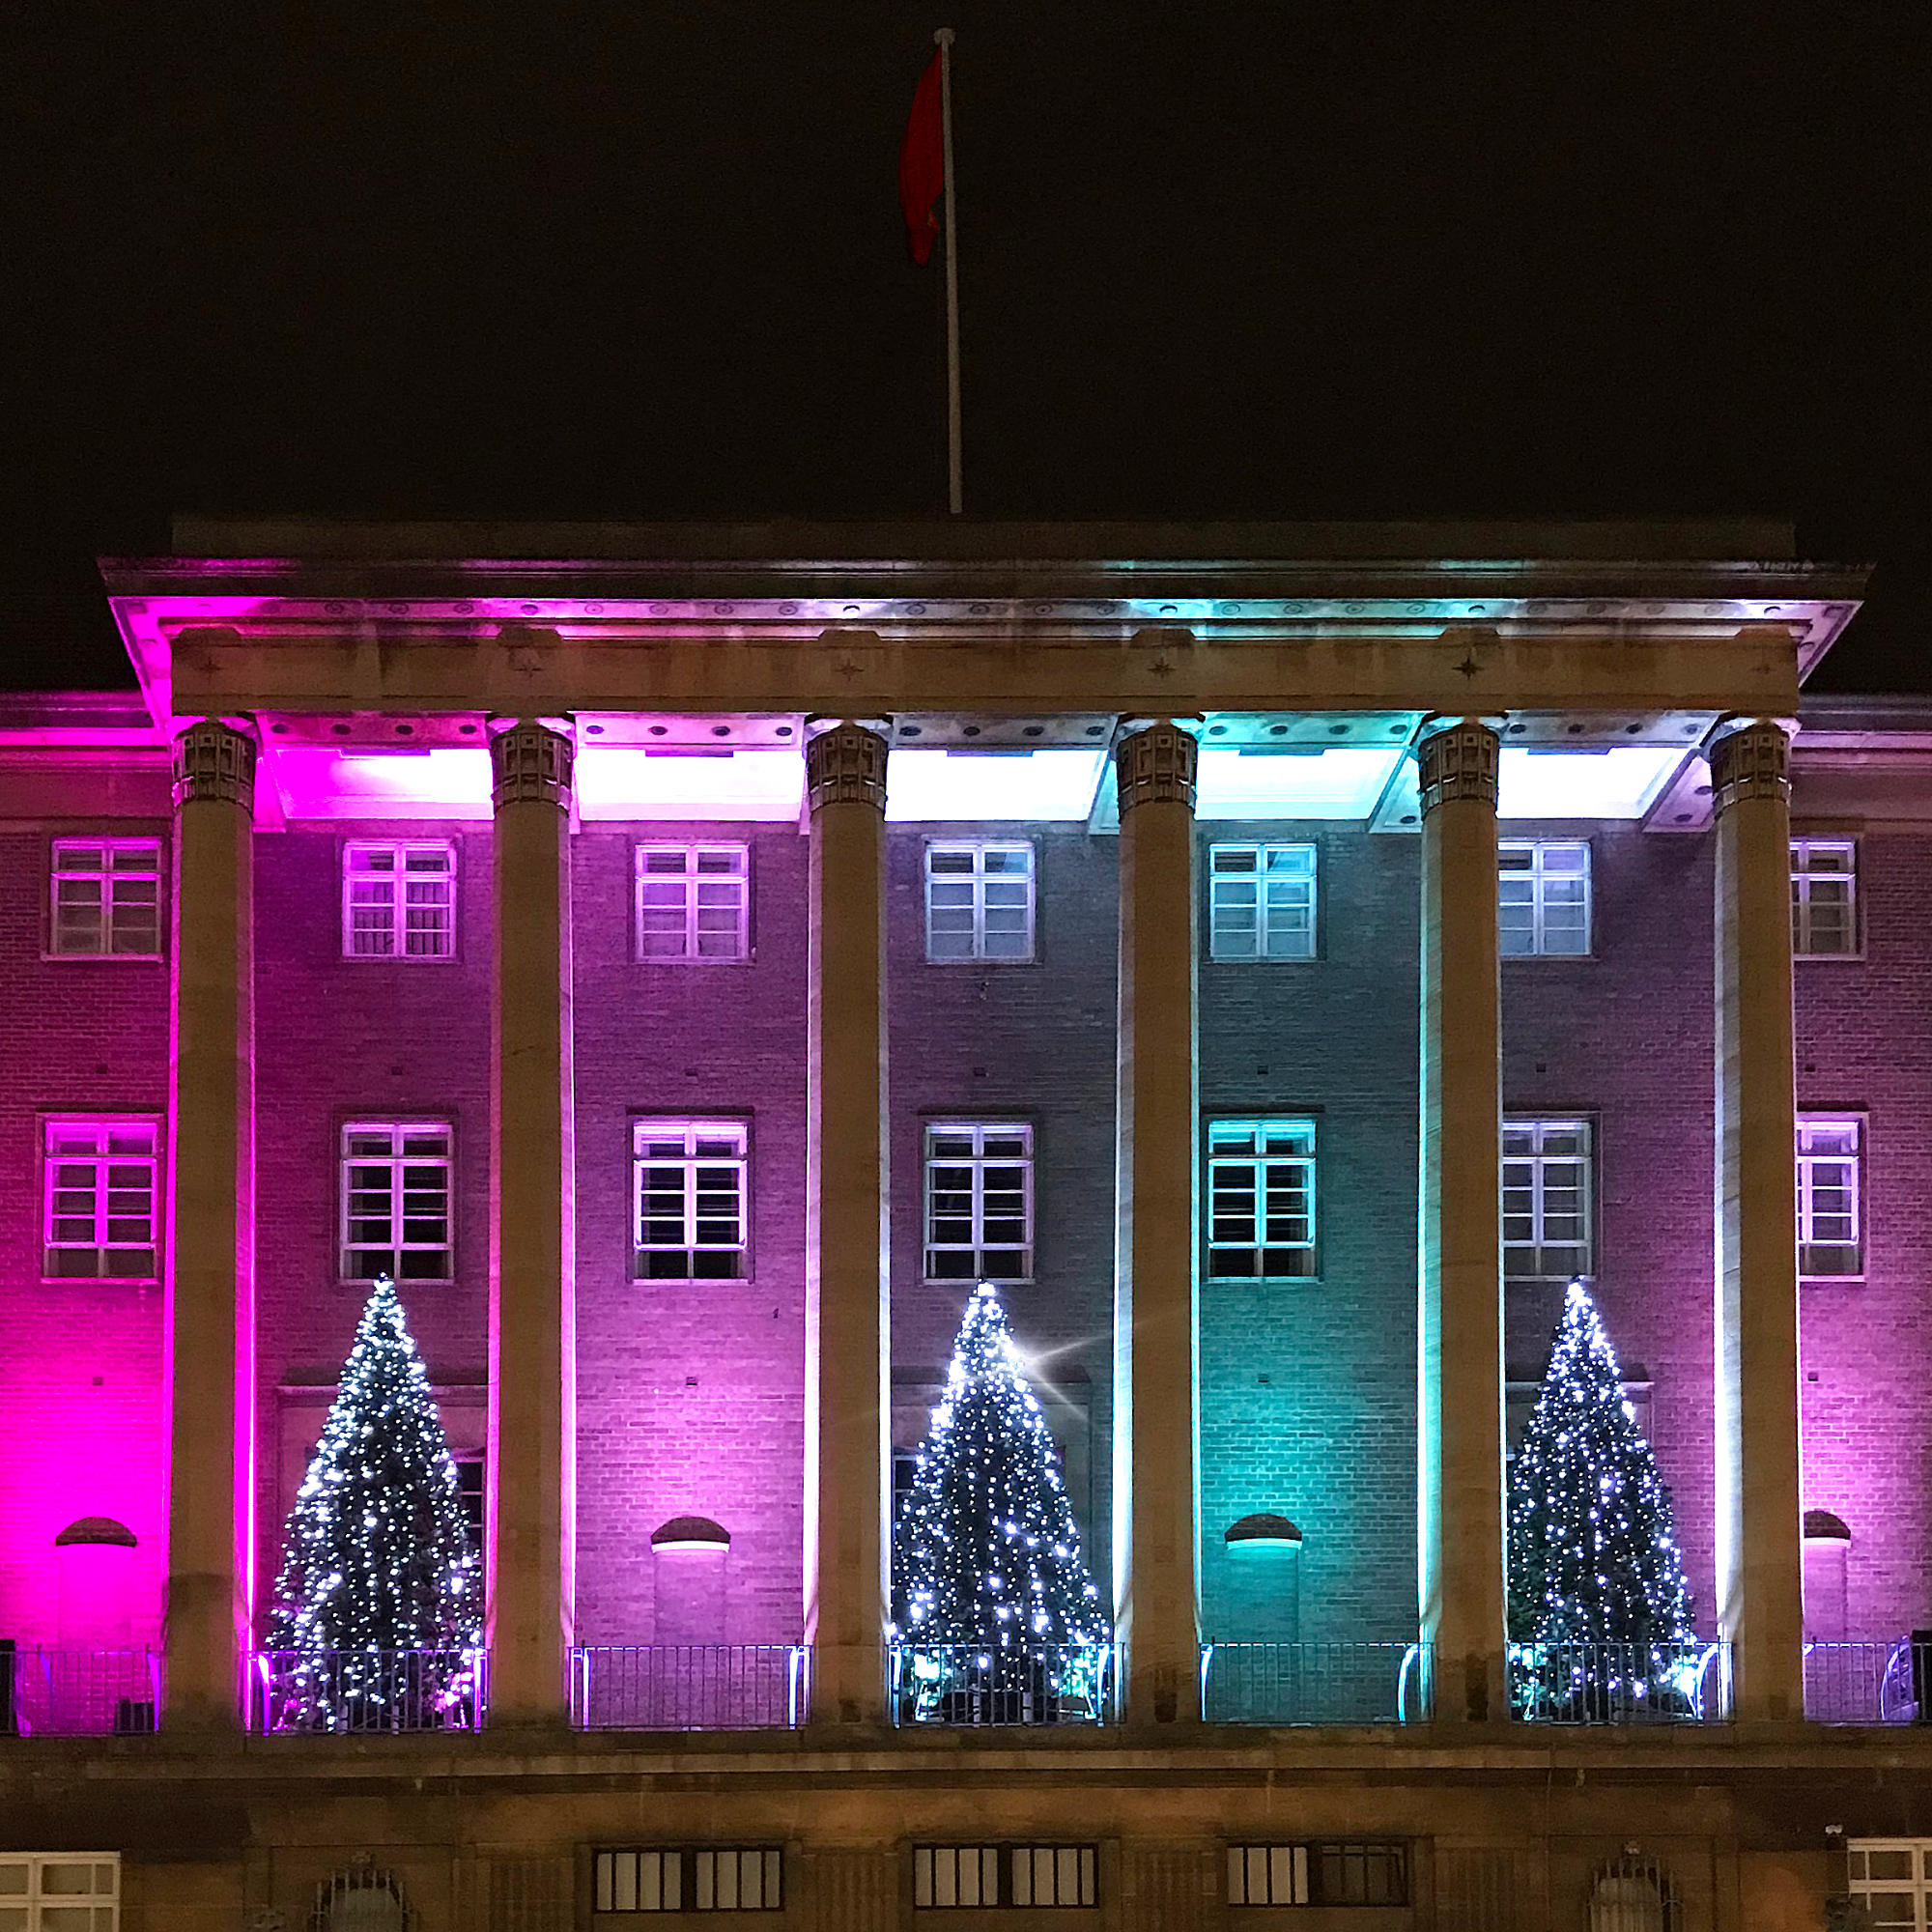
<point x="531" y="761"/>
<point x="845" y="764"/>
<point x="1750" y="757"/>
<point x="1459" y="759"/>
<point x="1154" y="764"/>
<point x="215" y="759"/>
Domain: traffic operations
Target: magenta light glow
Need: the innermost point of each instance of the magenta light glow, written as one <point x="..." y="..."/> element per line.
<point x="931" y="785"/>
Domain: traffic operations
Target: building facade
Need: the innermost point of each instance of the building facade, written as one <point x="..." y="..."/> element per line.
<point x="1283" y="959"/>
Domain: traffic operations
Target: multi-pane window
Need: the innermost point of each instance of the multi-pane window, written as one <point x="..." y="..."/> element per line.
<point x="395" y="1201"/>
<point x="688" y="1189"/>
<point x="1547" y="1204"/>
<point x="709" y="1877"/>
<point x="100" y="1200"/>
<point x="978" y="1202"/>
<point x="1261" y="901"/>
<point x="1261" y="1200"/>
<point x="399" y="900"/>
<point x="1317" y="1874"/>
<point x="1891" y="1878"/>
<point x="105" y="896"/>
<point x="1824" y="898"/>
<point x="978" y="899"/>
<point x="1831" y="1219"/>
<point x="694" y="902"/>
<point x="971" y="1876"/>
<point x="60" y="1891"/>
<point x="1544" y="896"/>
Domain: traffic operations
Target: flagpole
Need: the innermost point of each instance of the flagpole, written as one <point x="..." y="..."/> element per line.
<point x="956" y="488"/>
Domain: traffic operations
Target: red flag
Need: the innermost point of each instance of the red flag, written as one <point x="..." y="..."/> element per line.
<point x="922" y="164"/>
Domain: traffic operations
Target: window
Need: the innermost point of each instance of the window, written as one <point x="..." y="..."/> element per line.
<point x="395" y="1201"/>
<point x="65" y="1891"/>
<point x="470" y="1492"/>
<point x="1830" y="1226"/>
<point x="1019" y="1875"/>
<point x="1547" y="1209"/>
<point x="1320" y="1874"/>
<point x="978" y="900"/>
<point x="399" y="900"/>
<point x="689" y="1187"/>
<point x="694" y="902"/>
<point x="1261" y="1200"/>
<point x="978" y="1202"/>
<point x="1261" y="901"/>
<point x="101" y="1194"/>
<point x="1544" y="896"/>
<point x="1891" y="1878"/>
<point x="711" y="1878"/>
<point x="1824" y="898"/>
<point x="107" y="898"/>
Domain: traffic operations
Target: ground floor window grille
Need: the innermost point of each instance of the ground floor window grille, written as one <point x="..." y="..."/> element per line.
<point x="1028" y="1876"/>
<point x="1891" y="1878"/>
<point x="1317" y="1874"/>
<point x="362" y="1898"/>
<point x="707" y="1878"/>
<point x="65" y="1891"/>
<point x="1635" y="1896"/>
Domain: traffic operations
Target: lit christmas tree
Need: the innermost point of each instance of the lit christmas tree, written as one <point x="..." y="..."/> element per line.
<point x="996" y="1616"/>
<point x="1593" y="1558"/>
<point x="379" y="1556"/>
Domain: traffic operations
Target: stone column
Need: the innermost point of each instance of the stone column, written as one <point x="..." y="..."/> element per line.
<point x="1760" y="1562"/>
<point x="1156" y="1312"/>
<point x="1459" y="1317"/>
<point x="531" y="1497"/>
<point x="847" y="1313"/>
<point x="210" y="1274"/>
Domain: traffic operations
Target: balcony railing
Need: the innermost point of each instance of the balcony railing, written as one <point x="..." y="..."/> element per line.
<point x="1365" y="1682"/>
<point x="1620" y="1683"/>
<point x="365" y="1690"/>
<point x="974" y="1684"/>
<point x="75" y="1693"/>
<point x="690" y="1686"/>
<point x="1886" y="1682"/>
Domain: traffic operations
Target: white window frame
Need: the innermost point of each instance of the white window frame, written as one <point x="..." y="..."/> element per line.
<point x="1275" y="897"/>
<point x="1227" y="1156"/>
<point x="1271" y="1875"/>
<point x="102" y="1159"/>
<point x="1814" y="1163"/>
<point x="714" y="876"/>
<point x="359" y="869"/>
<point x="1542" y="872"/>
<point x="1824" y="895"/>
<point x="730" y="1152"/>
<point x="88" y="914"/>
<point x="979" y="1162"/>
<point x="978" y="882"/>
<point x="1529" y="1258"/>
<point x="689" y="1878"/>
<point x="401" y="1168"/>
<point x="1917" y="1887"/>
<point x="23" y="1887"/>
<point x="980" y="1877"/>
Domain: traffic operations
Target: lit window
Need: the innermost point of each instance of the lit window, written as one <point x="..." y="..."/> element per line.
<point x="978" y="900"/>
<point x="1891" y="1878"/>
<point x="1543" y="897"/>
<point x="694" y="902"/>
<point x="1546" y="1216"/>
<point x="1830" y="1223"/>
<point x="399" y="900"/>
<point x="978" y="1202"/>
<point x="688" y="1189"/>
<point x="1261" y="901"/>
<point x="1824" y="898"/>
<point x="107" y="898"/>
<point x="99" y="1196"/>
<point x="1319" y="1874"/>
<point x="1035" y="1876"/>
<point x="60" y="1891"/>
<point x="712" y="1878"/>
<point x="395" y="1201"/>
<point x="1261" y="1200"/>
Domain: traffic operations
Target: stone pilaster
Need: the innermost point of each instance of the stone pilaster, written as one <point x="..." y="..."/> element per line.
<point x="211" y="1270"/>
<point x="1459" y="1319"/>
<point x="847" y="1320"/>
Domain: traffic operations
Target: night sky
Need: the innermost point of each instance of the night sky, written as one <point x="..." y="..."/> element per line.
<point x="646" y="261"/>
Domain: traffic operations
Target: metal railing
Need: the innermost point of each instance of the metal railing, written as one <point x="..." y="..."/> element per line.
<point x="1352" y="1683"/>
<point x="70" y="1693"/>
<point x="364" y="1691"/>
<point x="690" y="1686"/>
<point x="1886" y="1682"/>
<point x="972" y="1685"/>
<point x="1620" y="1683"/>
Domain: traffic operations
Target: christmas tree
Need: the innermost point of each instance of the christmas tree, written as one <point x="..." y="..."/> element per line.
<point x="1593" y="1558"/>
<point x="378" y="1555"/>
<point x="996" y="1618"/>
